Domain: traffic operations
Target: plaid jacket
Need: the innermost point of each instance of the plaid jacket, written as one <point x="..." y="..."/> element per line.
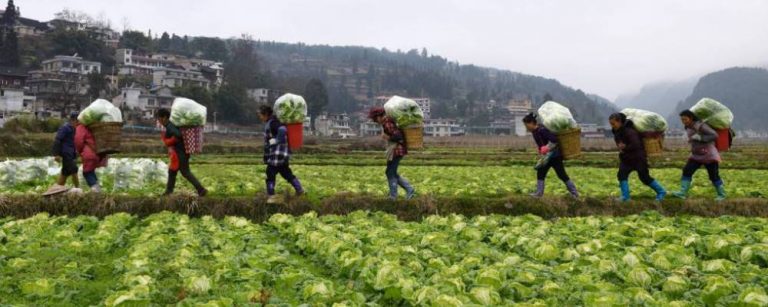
<point x="395" y="136"/>
<point x="279" y="153"/>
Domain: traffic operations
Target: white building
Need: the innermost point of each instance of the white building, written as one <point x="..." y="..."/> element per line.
<point x="132" y="63"/>
<point x="178" y="77"/>
<point x="259" y="95"/>
<point x="369" y="128"/>
<point x="144" y="102"/>
<point x="12" y="100"/>
<point x="426" y="106"/>
<point x="443" y="127"/>
<point x="336" y="125"/>
<point x="71" y="65"/>
<point x="518" y="109"/>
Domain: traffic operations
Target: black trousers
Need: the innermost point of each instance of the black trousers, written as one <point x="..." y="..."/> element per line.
<point x="186" y="173"/>
<point x="284" y="171"/>
<point x="641" y="168"/>
<point x="713" y="170"/>
<point x="557" y="165"/>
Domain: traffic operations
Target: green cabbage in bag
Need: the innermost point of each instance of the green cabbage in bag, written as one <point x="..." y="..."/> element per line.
<point x="646" y="121"/>
<point x="404" y="111"/>
<point x="556" y="117"/>
<point x="100" y="111"/>
<point x="714" y="113"/>
<point x="291" y="109"/>
<point x="187" y="113"/>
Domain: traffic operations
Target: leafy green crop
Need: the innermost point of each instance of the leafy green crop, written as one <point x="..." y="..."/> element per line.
<point x="146" y="177"/>
<point x="404" y="111"/>
<point x="291" y="109"/>
<point x="713" y="113"/>
<point x="186" y="112"/>
<point x="556" y="117"/>
<point x="375" y="259"/>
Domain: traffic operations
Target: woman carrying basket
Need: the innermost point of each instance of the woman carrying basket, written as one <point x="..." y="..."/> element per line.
<point x="632" y="157"/>
<point x="172" y="139"/>
<point x="85" y="144"/>
<point x="276" y="154"/>
<point x="703" y="153"/>
<point x="546" y="144"/>
<point x="396" y="150"/>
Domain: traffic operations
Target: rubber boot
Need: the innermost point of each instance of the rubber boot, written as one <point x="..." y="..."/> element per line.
<point x="572" y="189"/>
<point x="297" y="186"/>
<point x="170" y="185"/>
<point x="660" y="192"/>
<point x="539" y="189"/>
<point x="685" y="186"/>
<point x="409" y="190"/>
<point x="392" y="188"/>
<point x="272" y="198"/>
<point x="720" y="189"/>
<point x="624" y="186"/>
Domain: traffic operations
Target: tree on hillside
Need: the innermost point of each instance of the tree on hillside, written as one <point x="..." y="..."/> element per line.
<point x="9" y="40"/>
<point x="243" y="68"/>
<point x="164" y="44"/>
<point x="136" y="40"/>
<point x="230" y="104"/>
<point x="317" y="98"/>
<point x="97" y="85"/>
<point x="9" y="52"/>
<point x="210" y="48"/>
<point x="547" y="97"/>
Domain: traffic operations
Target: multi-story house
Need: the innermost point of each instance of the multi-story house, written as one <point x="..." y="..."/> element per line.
<point x="62" y="83"/>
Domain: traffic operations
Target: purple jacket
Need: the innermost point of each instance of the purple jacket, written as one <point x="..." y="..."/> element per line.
<point x="542" y="136"/>
<point x="704" y="150"/>
<point x="64" y="144"/>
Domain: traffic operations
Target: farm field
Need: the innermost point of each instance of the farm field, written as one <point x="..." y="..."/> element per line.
<point x="345" y="244"/>
<point x="374" y="259"/>
<point x="236" y="179"/>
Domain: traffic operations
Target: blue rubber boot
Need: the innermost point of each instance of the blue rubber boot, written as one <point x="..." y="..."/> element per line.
<point x="624" y="186"/>
<point x="660" y="192"/>
<point x="540" y="184"/>
<point x="720" y="189"/>
<point x="685" y="186"/>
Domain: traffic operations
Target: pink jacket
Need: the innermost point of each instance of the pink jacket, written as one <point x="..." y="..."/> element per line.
<point x="85" y="145"/>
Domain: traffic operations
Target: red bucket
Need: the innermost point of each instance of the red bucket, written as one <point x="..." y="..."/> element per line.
<point x="295" y="135"/>
<point x="723" y="142"/>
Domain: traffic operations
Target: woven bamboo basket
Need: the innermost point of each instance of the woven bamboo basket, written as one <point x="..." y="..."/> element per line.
<point x="108" y="137"/>
<point x="654" y="146"/>
<point x="414" y="137"/>
<point x="570" y="143"/>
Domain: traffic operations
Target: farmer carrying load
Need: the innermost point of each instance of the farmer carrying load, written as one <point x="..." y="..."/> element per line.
<point x="546" y="143"/>
<point x="396" y="150"/>
<point x="632" y="157"/>
<point x="276" y="153"/>
<point x="64" y="152"/>
<point x="703" y="153"/>
<point x="85" y="144"/>
<point x="172" y="139"/>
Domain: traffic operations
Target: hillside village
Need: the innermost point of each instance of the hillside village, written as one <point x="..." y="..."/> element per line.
<point x="139" y="79"/>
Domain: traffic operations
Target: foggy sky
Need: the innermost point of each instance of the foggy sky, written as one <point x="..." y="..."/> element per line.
<point x="607" y="47"/>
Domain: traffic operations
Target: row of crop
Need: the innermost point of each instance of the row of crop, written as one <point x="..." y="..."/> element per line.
<point x="163" y="259"/>
<point x="491" y="260"/>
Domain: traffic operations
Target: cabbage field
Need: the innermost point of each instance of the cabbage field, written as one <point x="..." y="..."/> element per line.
<point x="147" y="177"/>
<point x="374" y="259"/>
